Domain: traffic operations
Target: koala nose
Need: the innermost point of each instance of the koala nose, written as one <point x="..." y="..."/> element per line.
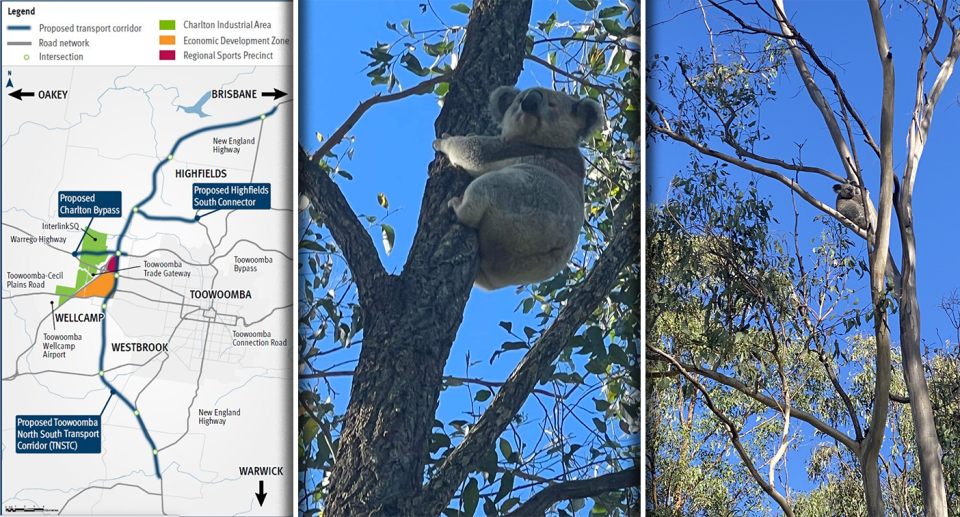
<point x="531" y="102"/>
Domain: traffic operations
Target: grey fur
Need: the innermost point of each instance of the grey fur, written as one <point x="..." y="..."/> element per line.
<point x="849" y="203"/>
<point x="527" y="198"/>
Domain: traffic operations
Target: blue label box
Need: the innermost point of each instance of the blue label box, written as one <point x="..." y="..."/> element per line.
<point x="58" y="434"/>
<point x="89" y="203"/>
<point x="231" y="196"/>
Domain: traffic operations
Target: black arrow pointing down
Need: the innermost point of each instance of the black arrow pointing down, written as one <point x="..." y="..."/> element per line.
<point x="261" y="495"/>
<point x="20" y="94"/>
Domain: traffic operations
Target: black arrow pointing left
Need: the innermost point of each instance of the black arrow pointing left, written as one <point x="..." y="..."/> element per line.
<point x="261" y="495"/>
<point x="20" y="94"/>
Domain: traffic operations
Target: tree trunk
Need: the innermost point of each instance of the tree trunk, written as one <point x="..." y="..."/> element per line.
<point x="932" y="483"/>
<point x="411" y="320"/>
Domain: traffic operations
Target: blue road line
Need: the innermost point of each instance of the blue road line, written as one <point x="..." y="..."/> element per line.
<point x="107" y="402"/>
<point x="169" y="217"/>
<point x="153" y="191"/>
<point x="82" y="236"/>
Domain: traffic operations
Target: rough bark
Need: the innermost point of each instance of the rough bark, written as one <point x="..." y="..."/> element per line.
<point x="507" y="402"/>
<point x="412" y="319"/>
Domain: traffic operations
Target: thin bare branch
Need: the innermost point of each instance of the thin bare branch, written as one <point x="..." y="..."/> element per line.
<point x="579" y="489"/>
<point x="341" y="132"/>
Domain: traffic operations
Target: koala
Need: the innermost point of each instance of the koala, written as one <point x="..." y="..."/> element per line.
<point x="849" y="203"/>
<point x="527" y="197"/>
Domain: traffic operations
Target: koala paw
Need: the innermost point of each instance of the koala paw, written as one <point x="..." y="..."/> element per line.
<point x="453" y="203"/>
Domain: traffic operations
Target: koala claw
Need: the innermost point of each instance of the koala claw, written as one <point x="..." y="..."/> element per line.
<point x="453" y="203"/>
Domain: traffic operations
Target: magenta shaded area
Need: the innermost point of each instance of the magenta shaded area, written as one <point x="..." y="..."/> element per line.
<point x="168" y="55"/>
<point x="112" y="264"/>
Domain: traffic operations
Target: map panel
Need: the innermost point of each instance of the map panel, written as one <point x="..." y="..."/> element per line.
<point x="147" y="203"/>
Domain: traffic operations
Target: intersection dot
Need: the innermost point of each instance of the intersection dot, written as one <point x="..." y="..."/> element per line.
<point x="169" y="156"/>
<point x="136" y="412"/>
<point x="118" y="253"/>
<point x="136" y="209"/>
<point x="101" y="373"/>
<point x="155" y="452"/>
<point x="116" y="275"/>
<point x="103" y="306"/>
<point x="262" y="117"/>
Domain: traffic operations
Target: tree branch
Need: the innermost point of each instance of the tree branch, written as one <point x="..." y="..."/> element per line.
<point x="464" y="380"/>
<point x="732" y="430"/>
<point x="579" y="489"/>
<point x="771" y="403"/>
<point x="341" y="132"/>
<point x="511" y="397"/>
<point x="816" y="203"/>
<point x="357" y="246"/>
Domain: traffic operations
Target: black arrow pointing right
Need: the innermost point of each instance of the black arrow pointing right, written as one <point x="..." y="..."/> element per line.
<point x="20" y="94"/>
<point x="261" y="495"/>
<point x="276" y="94"/>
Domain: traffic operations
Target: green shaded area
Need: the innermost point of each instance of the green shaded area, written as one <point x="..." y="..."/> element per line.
<point x="95" y="242"/>
<point x="168" y="25"/>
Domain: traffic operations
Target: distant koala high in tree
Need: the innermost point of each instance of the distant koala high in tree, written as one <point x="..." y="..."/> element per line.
<point x="527" y="198"/>
<point x="850" y="204"/>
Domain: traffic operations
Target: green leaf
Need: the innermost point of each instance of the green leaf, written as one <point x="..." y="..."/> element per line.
<point x="547" y="26"/>
<point x="470" y="497"/>
<point x="410" y="62"/>
<point x="610" y="12"/>
<point x="602" y="405"/>
<point x="509" y="504"/>
<point x="506" y="325"/>
<point x="613" y="27"/>
<point x="345" y="174"/>
<point x="406" y="25"/>
<point x="506" y="485"/>
<point x="460" y="8"/>
<point x="505" y="448"/>
<point x="438" y="49"/>
<point x="528" y="305"/>
<point x="438" y="441"/>
<point x="310" y="430"/>
<point x="310" y="245"/>
<point x="600" y="424"/>
<point x="585" y="5"/>
<point x="514" y="345"/>
<point x="482" y="395"/>
<point x="388" y="237"/>
<point x="618" y="356"/>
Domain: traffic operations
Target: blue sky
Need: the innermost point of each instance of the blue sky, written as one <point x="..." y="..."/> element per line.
<point x="393" y="149"/>
<point x="841" y="32"/>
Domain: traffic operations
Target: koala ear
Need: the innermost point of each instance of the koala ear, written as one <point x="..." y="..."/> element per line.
<point x="590" y="112"/>
<point x="501" y="99"/>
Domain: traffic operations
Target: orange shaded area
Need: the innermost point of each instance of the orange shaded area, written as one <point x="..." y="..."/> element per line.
<point x="168" y="40"/>
<point x="99" y="287"/>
